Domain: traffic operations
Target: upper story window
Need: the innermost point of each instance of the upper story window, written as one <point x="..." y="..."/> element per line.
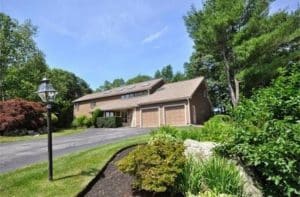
<point x="92" y="105"/>
<point x="135" y="94"/>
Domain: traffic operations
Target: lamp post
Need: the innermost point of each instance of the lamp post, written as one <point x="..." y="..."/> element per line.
<point x="47" y="93"/>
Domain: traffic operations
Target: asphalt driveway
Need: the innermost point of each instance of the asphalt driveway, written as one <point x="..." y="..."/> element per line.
<point x="19" y="154"/>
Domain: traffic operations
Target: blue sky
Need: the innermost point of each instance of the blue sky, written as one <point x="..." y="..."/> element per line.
<point x="103" y="39"/>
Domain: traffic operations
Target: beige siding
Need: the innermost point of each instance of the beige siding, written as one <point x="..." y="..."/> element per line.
<point x="200" y="105"/>
<point x="84" y="107"/>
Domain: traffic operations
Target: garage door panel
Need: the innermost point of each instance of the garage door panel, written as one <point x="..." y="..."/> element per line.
<point x="150" y="117"/>
<point x="175" y="115"/>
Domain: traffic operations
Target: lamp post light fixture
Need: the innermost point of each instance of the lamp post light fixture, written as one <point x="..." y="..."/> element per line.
<point x="47" y="93"/>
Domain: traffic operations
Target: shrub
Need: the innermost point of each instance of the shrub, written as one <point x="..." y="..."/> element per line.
<point x="20" y="114"/>
<point x="82" y="121"/>
<point x="96" y="114"/>
<point x="219" y="128"/>
<point x="273" y="152"/>
<point x="109" y="122"/>
<point x="268" y="135"/>
<point x="154" y="166"/>
<point x="215" y="174"/>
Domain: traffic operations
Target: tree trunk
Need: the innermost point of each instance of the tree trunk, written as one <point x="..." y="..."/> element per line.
<point x="233" y="92"/>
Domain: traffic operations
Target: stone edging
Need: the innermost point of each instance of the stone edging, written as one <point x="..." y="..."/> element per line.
<point x="88" y="187"/>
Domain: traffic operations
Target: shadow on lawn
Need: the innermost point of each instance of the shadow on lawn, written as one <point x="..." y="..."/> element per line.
<point x="90" y="172"/>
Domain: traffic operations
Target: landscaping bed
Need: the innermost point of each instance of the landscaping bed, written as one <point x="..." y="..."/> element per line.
<point x="114" y="183"/>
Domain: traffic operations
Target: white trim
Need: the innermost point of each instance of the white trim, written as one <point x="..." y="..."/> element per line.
<point x="145" y="108"/>
<point x="135" y="117"/>
<point x="189" y="111"/>
<point x="175" y="105"/>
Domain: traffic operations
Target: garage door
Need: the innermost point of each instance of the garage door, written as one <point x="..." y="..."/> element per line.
<point x="150" y="117"/>
<point x="175" y="115"/>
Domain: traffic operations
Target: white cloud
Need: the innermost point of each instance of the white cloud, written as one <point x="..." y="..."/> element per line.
<point x="155" y="36"/>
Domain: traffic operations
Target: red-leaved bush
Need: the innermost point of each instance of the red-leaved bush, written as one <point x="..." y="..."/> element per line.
<point x="20" y="114"/>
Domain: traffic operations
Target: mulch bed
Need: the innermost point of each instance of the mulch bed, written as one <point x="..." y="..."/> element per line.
<point x="114" y="183"/>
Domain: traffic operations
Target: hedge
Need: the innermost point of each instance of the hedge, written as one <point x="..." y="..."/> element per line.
<point x="109" y="122"/>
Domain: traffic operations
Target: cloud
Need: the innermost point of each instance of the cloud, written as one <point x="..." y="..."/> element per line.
<point x="155" y="36"/>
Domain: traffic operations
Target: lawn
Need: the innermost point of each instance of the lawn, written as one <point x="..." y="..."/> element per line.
<point x="71" y="173"/>
<point x="61" y="132"/>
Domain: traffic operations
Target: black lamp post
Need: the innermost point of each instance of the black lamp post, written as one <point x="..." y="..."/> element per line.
<point x="47" y="93"/>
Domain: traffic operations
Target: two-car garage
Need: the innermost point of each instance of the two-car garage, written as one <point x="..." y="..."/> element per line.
<point x="165" y="115"/>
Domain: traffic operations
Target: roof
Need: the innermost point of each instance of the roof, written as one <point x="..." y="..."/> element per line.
<point x="142" y="86"/>
<point x="168" y="92"/>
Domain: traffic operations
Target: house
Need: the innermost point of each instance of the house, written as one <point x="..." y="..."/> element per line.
<point x="152" y="103"/>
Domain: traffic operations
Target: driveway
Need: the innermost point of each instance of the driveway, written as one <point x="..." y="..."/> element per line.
<point x="19" y="154"/>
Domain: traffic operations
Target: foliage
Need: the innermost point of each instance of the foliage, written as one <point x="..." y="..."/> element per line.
<point x="82" y="121"/>
<point x="268" y="135"/>
<point x="240" y="41"/>
<point x="96" y="114"/>
<point x="69" y="87"/>
<point x="219" y="128"/>
<point x="109" y="122"/>
<point x="17" y="47"/>
<point x="154" y="166"/>
<point x="20" y="114"/>
<point x="138" y="79"/>
<point x="216" y="174"/>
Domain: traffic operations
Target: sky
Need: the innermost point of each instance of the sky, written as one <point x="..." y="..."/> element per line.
<point x="102" y="40"/>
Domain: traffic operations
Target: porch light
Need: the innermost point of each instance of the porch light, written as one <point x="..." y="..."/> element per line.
<point x="46" y="91"/>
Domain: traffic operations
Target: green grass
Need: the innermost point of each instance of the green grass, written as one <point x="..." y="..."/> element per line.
<point x="71" y="173"/>
<point x="61" y="132"/>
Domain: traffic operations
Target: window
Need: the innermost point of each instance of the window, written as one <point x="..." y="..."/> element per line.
<point x="205" y="94"/>
<point x="131" y="95"/>
<point x="109" y="114"/>
<point x="92" y="105"/>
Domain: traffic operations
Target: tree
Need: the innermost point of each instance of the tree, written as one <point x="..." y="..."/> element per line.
<point x="17" y="46"/>
<point x="21" y="80"/>
<point x="157" y="74"/>
<point x="106" y="86"/>
<point x="69" y="87"/>
<point x="238" y="35"/>
<point x="167" y="73"/>
<point x="117" y="83"/>
<point x="138" y="78"/>
<point x="178" y="77"/>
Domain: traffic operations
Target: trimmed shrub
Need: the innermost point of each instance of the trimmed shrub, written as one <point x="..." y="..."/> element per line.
<point x="96" y="114"/>
<point x="109" y="122"/>
<point x="219" y="128"/>
<point x="216" y="174"/>
<point x="82" y="121"/>
<point x="154" y="166"/>
<point x="20" y="114"/>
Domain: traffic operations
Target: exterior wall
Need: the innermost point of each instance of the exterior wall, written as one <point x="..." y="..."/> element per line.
<point x="161" y="111"/>
<point x="85" y="106"/>
<point x="200" y="105"/>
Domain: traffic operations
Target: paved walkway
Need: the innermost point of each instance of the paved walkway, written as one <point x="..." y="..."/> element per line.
<point x="19" y="154"/>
